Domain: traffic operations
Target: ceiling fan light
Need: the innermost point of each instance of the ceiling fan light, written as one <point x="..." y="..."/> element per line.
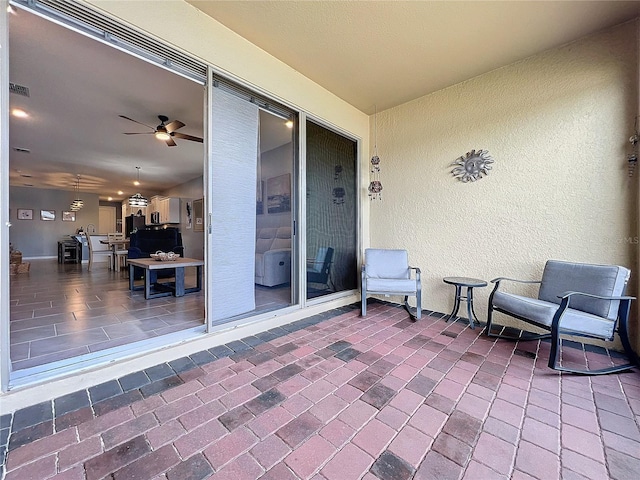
<point x="162" y="135"/>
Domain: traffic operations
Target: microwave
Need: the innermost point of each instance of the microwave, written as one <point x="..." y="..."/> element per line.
<point x="155" y="217"/>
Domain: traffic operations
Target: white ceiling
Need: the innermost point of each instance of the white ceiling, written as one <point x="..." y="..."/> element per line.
<point x="373" y="54"/>
<point x="385" y="53"/>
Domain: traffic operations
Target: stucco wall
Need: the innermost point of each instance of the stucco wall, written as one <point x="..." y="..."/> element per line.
<point x="557" y="125"/>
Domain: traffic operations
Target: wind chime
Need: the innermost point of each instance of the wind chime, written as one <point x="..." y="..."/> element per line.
<point x="375" y="187"/>
<point x="632" y="158"/>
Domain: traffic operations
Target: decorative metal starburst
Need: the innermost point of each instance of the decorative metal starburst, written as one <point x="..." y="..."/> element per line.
<point x="472" y="166"/>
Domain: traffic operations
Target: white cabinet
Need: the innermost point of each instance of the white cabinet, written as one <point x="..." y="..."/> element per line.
<point x="168" y="208"/>
<point x="127" y="210"/>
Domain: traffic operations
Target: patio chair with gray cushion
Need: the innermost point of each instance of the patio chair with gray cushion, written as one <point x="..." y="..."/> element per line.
<point x="387" y="272"/>
<point x="574" y="299"/>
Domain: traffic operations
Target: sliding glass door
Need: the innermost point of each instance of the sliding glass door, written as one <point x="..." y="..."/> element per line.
<point x="331" y="236"/>
<point x="251" y="179"/>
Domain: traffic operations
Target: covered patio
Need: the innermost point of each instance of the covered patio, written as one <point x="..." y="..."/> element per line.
<point x="337" y="397"/>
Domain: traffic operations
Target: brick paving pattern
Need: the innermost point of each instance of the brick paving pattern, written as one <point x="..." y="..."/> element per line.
<point x="339" y="397"/>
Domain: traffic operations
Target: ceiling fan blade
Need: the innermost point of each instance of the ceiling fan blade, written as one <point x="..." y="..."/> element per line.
<point x="173" y="126"/>
<point x="132" y="120"/>
<point x="138" y="133"/>
<point x="170" y="142"/>
<point x="186" y="137"/>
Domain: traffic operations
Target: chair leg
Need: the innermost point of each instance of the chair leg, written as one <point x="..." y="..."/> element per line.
<point x="634" y="361"/>
<point x="363" y="301"/>
<point x="414" y="316"/>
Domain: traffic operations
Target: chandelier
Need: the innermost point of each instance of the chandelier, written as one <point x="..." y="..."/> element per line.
<point x="77" y="204"/>
<point x="138" y="200"/>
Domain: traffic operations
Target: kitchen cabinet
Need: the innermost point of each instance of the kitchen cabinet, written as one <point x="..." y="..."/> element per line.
<point x="127" y="210"/>
<point x="168" y="208"/>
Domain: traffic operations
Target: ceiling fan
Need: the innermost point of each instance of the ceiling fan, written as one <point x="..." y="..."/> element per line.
<point x="165" y="131"/>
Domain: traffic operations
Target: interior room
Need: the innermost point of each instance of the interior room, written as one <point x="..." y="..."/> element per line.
<point x="95" y="146"/>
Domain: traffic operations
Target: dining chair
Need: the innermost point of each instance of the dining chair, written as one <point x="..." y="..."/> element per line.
<point x="97" y="249"/>
<point x="119" y="254"/>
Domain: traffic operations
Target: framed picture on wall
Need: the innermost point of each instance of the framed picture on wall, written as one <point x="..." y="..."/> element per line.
<point x="25" y="214"/>
<point x="279" y="194"/>
<point x="198" y="215"/>
<point x="68" y="216"/>
<point x="47" y="215"/>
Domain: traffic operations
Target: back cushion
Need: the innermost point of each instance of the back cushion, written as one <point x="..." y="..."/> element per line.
<point x="265" y="239"/>
<point x="606" y="280"/>
<point x="151" y="241"/>
<point x="386" y="263"/>
<point x="283" y="238"/>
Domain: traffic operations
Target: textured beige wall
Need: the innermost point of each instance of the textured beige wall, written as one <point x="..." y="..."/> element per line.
<point x="557" y="125"/>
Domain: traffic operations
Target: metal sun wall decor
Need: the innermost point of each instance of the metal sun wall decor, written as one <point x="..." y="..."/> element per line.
<point x="472" y="166"/>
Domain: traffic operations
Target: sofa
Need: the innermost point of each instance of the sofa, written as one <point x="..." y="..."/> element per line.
<point x="145" y="242"/>
<point x="273" y="256"/>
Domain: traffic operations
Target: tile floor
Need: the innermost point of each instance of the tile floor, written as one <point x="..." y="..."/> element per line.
<point x="339" y="397"/>
<point x="60" y="311"/>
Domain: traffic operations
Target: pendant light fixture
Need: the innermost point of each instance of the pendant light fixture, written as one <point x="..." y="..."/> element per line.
<point x="77" y="204"/>
<point x="137" y="200"/>
<point x="375" y="187"/>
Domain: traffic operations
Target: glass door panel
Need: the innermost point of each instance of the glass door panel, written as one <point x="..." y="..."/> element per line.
<point x="331" y="212"/>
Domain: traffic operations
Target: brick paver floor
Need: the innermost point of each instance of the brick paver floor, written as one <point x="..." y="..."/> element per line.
<point x="339" y="397"/>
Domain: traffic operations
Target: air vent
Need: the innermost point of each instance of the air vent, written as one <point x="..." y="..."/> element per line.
<point x="91" y="22"/>
<point x="26" y="175"/>
<point x="19" y="89"/>
<point x="21" y="150"/>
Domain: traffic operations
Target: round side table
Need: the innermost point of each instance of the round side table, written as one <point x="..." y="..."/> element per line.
<point x="470" y="283"/>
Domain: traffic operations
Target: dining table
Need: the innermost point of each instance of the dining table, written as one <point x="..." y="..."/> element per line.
<point x="116" y="245"/>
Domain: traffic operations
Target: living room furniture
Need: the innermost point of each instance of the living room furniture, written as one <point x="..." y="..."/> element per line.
<point x="387" y="272"/>
<point x="574" y="299"/>
<point x="145" y="242"/>
<point x="319" y="268"/>
<point x="176" y="288"/>
<point x="273" y="256"/>
<point x="98" y="250"/>
<point x="69" y="251"/>
<point x="470" y="284"/>
<point x="119" y="249"/>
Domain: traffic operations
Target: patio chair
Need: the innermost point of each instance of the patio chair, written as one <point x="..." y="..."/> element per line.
<point x="574" y="299"/>
<point x="387" y="272"/>
<point x="319" y="268"/>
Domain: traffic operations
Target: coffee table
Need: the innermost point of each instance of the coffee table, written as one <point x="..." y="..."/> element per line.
<point x="469" y="283"/>
<point x="176" y="288"/>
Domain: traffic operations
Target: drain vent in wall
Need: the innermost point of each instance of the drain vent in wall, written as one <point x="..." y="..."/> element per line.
<point x="19" y="89"/>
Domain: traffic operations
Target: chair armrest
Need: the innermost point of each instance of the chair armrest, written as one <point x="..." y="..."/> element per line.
<point x="500" y="279"/>
<point x="600" y="297"/>
<point x="625" y="305"/>
<point x="417" y="270"/>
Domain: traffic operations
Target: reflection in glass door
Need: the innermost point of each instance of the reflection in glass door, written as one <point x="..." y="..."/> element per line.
<point x="331" y="212"/>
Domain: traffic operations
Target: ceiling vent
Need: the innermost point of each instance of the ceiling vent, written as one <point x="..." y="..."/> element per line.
<point x="21" y="150"/>
<point x="19" y="89"/>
